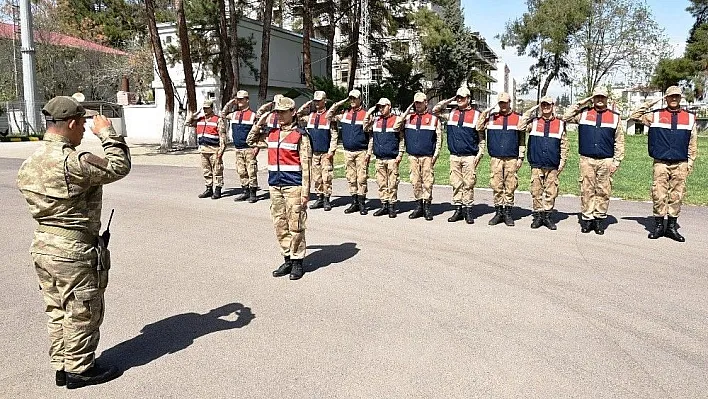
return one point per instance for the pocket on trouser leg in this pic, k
(85, 310)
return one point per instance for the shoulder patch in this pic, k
(93, 160)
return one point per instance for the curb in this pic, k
(17, 139)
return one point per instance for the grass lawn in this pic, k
(632, 181)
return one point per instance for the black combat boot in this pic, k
(537, 221)
(245, 193)
(498, 215)
(469, 219)
(60, 378)
(586, 226)
(362, 205)
(508, 220)
(383, 210)
(392, 210)
(252, 197)
(547, 220)
(207, 193)
(599, 226)
(418, 212)
(658, 231)
(672, 230)
(284, 268)
(217, 193)
(319, 203)
(354, 207)
(93, 376)
(326, 204)
(426, 210)
(458, 215)
(297, 272)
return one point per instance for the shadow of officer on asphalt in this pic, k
(173, 334)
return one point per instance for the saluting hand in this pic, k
(99, 123)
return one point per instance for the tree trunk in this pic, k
(167, 128)
(330, 37)
(265, 51)
(306, 33)
(354, 39)
(234, 16)
(227, 86)
(551, 76)
(186, 54)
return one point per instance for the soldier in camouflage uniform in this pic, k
(673, 145)
(601, 148)
(547, 152)
(323, 134)
(289, 161)
(466, 145)
(239, 123)
(63, 188)
(212, 144)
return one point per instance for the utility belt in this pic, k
(104, 254)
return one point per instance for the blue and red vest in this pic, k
(353, 136)
(462, 136)
(669, 134)
(503, 135)
(544, 147)
(318, 128)
(241, 124)
(420, 134)
(386, 140)
(208, 130)
(284, 167)
(596, 133)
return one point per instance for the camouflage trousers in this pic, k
(212, 166)
(544, 188)
(387, 178)
(289, 218)
(503, 180)
(463, 177)
(595, 187)
(422, 177)
(668, 187)
(322, 173)
(73, 295)
(247, 167)
(357, 172)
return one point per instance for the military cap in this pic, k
(276, 97)
(284, 104)
(208, 103)
(547, 100)
(355, 93)
(61, 108)
(241, 94)
(419, 97)
(503, 97)
(672, 91)
(384, 101)
(463, 92)
(600, 91)
(319, 95)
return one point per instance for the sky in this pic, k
(489, 17)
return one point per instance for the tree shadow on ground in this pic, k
(173, 334)
(646, 221)
(328, 255)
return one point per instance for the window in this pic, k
(168, 39)
(376, 74)
(345, 75)
(400, 48)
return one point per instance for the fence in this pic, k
(13, 120)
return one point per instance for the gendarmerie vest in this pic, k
(241, 124)
(386, 140)
(208, 130)
(353, 136)
(318, 128)
(420, 134)
(503, 135)
(462, 135)
(596, 133)
(669, 134)
(544, 146)
(284, 167)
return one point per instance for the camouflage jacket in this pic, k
(64, 187)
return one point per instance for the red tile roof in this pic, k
(58, 39)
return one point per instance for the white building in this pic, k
(504, 83)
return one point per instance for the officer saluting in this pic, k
(289, 160)
(240, 122)
(64, 189)
(212, 144)
(673, 145)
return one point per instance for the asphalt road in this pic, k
(388, 307)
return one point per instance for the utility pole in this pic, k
(28, 71)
